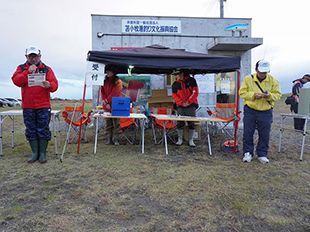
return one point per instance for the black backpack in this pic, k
(290, 100)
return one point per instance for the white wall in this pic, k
(195, 34)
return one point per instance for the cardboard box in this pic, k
(161, 105)
(159, 93)
(197, 135)
(160, 99)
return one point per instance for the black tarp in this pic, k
(156, 59)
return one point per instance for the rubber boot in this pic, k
(116, 142)
(180, 138)
(109, 142)
(191, 134)
(34, 144)
(42, 147)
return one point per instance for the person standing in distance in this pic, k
(185, 94)
(36, 102)
(297, 86)
(112, 87)
(259, 91)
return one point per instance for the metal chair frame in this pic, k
(229, 117)
(158, 127)
(74, 119)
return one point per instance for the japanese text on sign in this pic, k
(36, 79)
(151, 26)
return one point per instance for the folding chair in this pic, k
(158, 125)
(74, 119)
(226, 112)
(129, 128)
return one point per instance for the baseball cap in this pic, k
(176, 71)
(33, 50)
(263, 66)
(307, 76)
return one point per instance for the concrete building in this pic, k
(202, 35)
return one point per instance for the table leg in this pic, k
(303, 139)
(96, 135)
(58, 130)
(54, 132)
(281, 131)
(1, 135)
(209, 142)
(165, 137)
(12, 118)
(142, 134)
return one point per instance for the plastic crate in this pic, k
(120, 106)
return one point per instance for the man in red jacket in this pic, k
(185, 94)
(112, 87)
(37, 81)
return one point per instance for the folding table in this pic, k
(304, 131)
(142, 118)
(12, 113)
(167, 118)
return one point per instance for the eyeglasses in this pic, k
(33, 56)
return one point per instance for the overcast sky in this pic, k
(62, 30)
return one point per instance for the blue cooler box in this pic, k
(120, 106)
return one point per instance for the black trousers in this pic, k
(187, 111)
(260, 120)
(298, 122)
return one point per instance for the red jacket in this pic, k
(109, 90)
(35, 97)
(297, 86)
(185, 91)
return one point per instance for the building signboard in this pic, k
(150, 26)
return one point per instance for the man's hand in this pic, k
(185, 104)
(106, 103)
(32, 68)
(261, 95)
(258, 95)
(46, 84)
(265, 95)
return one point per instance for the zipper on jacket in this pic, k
(184, 90)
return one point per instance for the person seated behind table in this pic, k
(297, 86)
(185, 94)
(112, 87)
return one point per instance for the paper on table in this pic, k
(36, 79)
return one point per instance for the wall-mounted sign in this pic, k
(149, 26)
(205, 83)
(138, 88)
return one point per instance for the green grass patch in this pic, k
(120, 189)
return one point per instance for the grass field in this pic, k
(120, 189)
